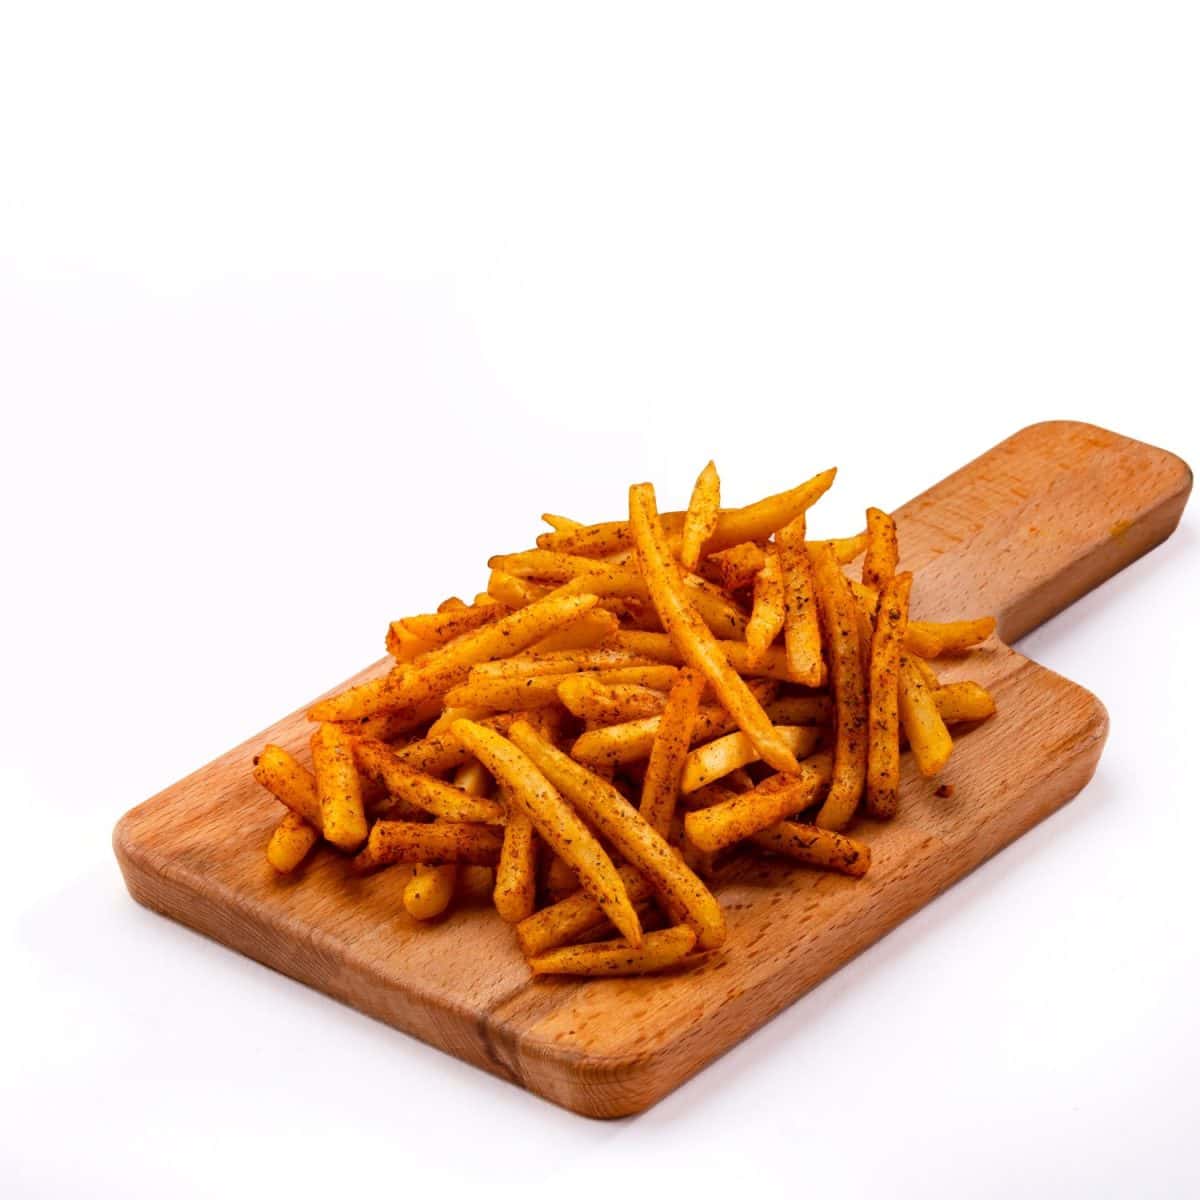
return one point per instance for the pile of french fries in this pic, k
(625, 706)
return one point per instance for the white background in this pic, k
(303, 313)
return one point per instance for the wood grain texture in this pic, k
(1021, 532)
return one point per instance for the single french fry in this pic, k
(957, 702)
(291, 841)
(439, 628)
(657, 951)
(429, 892)
(701, 517)
(883, 713)
(628, 831)
(560, 524)
(426, 792)
(802, 621)
(575, 917)
(555, 820)
(927, 672)
(952, 637)
(734, 568)
(591, 700)
(719, 825)
(692, 638)
(583, 633)
(660, 648)
(660, 788)
(718, 758)
(505, 694)
(882, 549)
(816, 847)
(514, 592)
(450, 664)
(343, 819)
(564, 662)
(766, 619)
(431, 843)
(923, 724)
(289, 782)
(839, 620)
(516, 874)
(847, 549)
(404, 645)
(387, 727)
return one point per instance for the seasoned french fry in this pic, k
(564, 662)
(719, 825)
(927, 672)
(718, 758)
(660, 788)
(627, 830)
(434, 796)
(403, 645)
(657, 952)
(951, 637)
(555, 820)
(883, 714)
(766, 619)
(583, 633)
(503, 694)
(816, 847)
(839, 619)
(734, 568)
(289, 782)
(514, 592)
(692, 637)
(449, 665)
(387, 727)
(701, 517)
(923, 724)
(965, 701)
(343, 820)
(560, 524)
(882, 549)
(429, 892)
(660, 648)
(293, 838)
(802, 622)
(439, 628)
(608, 704)
(436, 842)
(846, 550)
(574, 918)
(516, 874)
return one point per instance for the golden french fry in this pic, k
(802, 622)
(766, 619)
(403, 645)
(516, 874)
(343, 819)
(514, 592)
(290, 843)
(668, 750)
(560, 524)
(583, 633)
(659, 648)
(450, 664)
(882, 549)
(505, 694)
(883, 713)
(720, 757)
(923, 724)
(816, 847)
(719, 825)
(846, 550)
(574, 918)
(839, 619)
(701, 517)
(608, 704)
(628, 831)
(430, 843)
(657, 951)
(957, 702)
(289, 782)
(927, 672)
(951, 637)
(565, 662)
(429, 892)
(691, 636)
(562, 830)
(387, 727)
(427, 793)
(734, 568)
(439, 628)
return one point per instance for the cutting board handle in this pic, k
(1035, 523)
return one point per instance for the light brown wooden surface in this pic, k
(1020, 532)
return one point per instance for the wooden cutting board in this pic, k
(1020, 532)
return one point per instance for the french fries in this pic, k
(626, 706)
